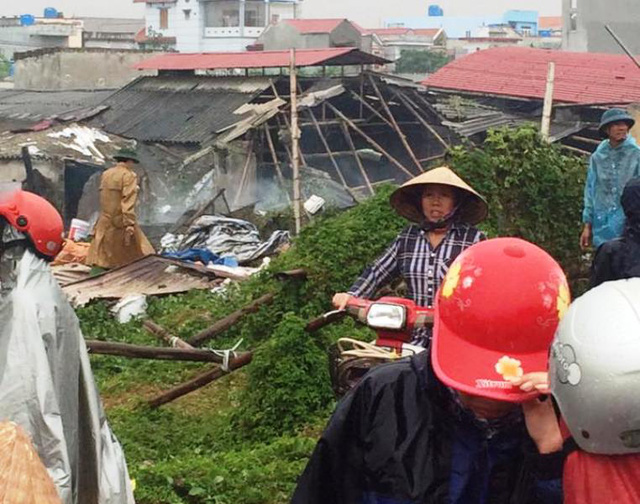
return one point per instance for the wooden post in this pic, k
(245, 173)
(225, 323)
(545, 128)
(397, 129)
(286, 122)
(347, 135)
(295, 137)
(155, 353)
(165, 335)
(375, 144)
(200, 381)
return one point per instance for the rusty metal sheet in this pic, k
(152, 276)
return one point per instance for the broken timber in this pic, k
(200, 380)
(165, 335)
(225, 323)
(157, 353)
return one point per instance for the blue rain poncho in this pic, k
(609, 170)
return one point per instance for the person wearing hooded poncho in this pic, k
(443, 210)
(620, 258)
(611, 166)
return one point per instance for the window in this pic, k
(573, 19)
(222, 13)
(187, 14)
(255, 13)
(526, 31)
(574, 4)
(164, 19)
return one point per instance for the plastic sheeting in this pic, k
(226, 237)
(47, 387)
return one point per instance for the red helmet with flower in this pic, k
(496, 314)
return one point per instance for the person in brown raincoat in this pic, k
(118, 238)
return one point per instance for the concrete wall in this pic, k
(68, 70)
(284, 36)
(587, 32)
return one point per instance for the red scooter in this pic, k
(393, 319)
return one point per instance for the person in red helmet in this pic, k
(46, 384)
(449, 426)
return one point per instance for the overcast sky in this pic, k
(366, 12)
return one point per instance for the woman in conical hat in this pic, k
(443, 210)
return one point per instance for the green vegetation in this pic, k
(421, 62)
(245, 438)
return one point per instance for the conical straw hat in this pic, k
(406, 200)
(23, 477)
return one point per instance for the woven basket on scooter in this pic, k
(23, 477)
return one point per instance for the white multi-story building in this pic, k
(213, 25)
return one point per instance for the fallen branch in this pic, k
(157, 353)
(227, 322)
(200, 381)
(165, 335)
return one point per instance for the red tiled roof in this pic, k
(522, 72)
(550, 23)
(314, 25)
(259, 59)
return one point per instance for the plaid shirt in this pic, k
(422, 266)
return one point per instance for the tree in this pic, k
(421, 62)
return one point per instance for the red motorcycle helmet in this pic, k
(496, 314)
(36, 217)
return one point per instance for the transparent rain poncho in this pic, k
(609, 170)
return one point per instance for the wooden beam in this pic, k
(397, 129)
(200, 381)
(155, 353)
(347, 135)
(230, 320)
(375, 144)
(165, 335)
(412, 105)
(274, 156)
(327, 148)
(370, 107)
(545, 126)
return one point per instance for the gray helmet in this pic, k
(594, 368)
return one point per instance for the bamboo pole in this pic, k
(545, 127)
(155, 353)
(375, 144)
(327, 148)
(397, 129)
(245, 173)
(295, 138)
(200, 381)
(287, 124)
(274, 156)
(225, 323)
(165, 335)
(371, 108)
(347, 135)
(411, 105)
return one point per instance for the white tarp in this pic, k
(47, 387)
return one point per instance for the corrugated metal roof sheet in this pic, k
(151, 275)
(521, 72)
(259, 59)
(178, 109)
(30, 107)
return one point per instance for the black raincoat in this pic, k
(399, 437)
(620, 258)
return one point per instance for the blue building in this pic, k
(525, 22)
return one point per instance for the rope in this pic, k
(226, 354)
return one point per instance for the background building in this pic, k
(213, 25)
(584, 25)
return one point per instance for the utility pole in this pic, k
(295, 138)
(545, 128)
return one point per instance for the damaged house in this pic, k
(222, 121)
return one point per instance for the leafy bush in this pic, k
(534, 190)
(288, 384)
(421, 62)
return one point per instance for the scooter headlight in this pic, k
(386, 316)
